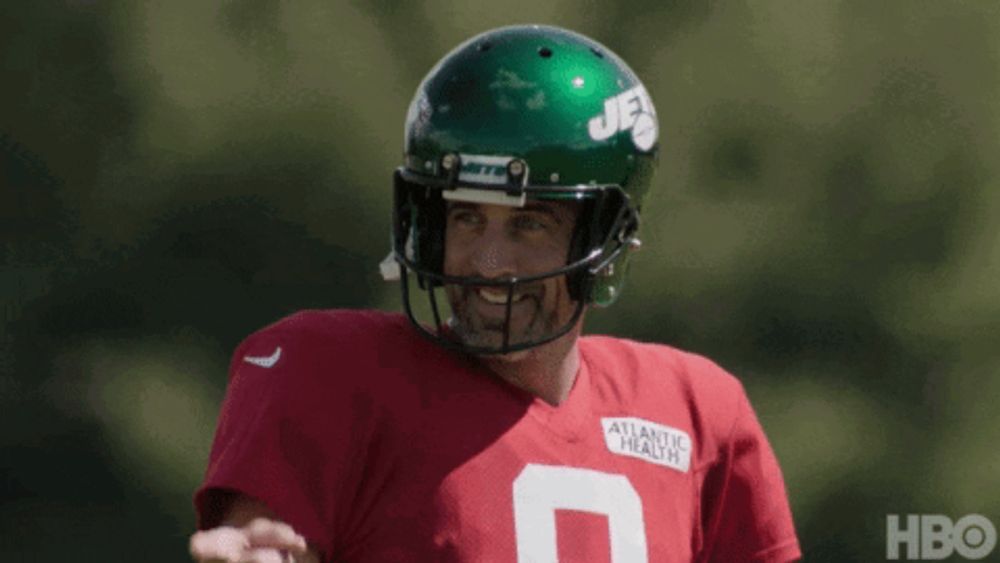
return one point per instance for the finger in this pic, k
(268, 533)
(266, 555)
(224, 543)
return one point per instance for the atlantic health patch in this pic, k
(648, 441)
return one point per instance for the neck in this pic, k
(546, 371)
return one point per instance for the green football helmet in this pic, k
(515, 114)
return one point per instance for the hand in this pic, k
(260, 541)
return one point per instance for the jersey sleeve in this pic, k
(290, 434)
(746, 514)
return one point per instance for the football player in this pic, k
(481, 426)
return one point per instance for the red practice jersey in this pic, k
(378, 445)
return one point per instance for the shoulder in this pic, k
(331, 331)
(323, 342)
(645, 364)
(335, 323)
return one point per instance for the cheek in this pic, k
(544, 257)
(556, 292)
(448, 265)
(452, 256)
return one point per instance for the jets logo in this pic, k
(482, 169)
(632, 110)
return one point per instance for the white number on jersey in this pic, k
(540, 490)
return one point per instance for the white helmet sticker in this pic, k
(492, 197)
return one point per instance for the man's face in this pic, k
(498, 241)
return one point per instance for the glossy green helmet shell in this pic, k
(530, 112)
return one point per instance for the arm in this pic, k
(290, 437)
(264, 460)
(250, 531)
(746, 513)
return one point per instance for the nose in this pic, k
(494, 254)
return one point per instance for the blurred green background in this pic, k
(177, 174)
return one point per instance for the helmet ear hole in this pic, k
(607, 288)
(418, 225)
(606, 221)
(428, 230)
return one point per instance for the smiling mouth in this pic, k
(490, 303)
(498, 296)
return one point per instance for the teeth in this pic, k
(498, 297)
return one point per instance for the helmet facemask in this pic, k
(438, 303)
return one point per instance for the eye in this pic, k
(464, 217)
(530, 223)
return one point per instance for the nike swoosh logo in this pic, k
(264, 361)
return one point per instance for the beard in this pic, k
(477, 323)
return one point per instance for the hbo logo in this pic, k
(933, 536)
